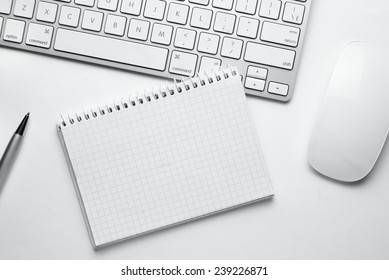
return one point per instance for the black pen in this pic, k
(10, 153)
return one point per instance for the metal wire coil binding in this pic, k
(185, 85)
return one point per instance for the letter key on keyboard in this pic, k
(168, 38)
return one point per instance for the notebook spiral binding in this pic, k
(149, 96)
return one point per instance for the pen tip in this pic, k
(22, 126)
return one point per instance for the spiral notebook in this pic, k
(165, 157)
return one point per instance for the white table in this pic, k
(309, 218)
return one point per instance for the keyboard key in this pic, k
(267, 55)
(5, 6)
(279, 89)
(162, 34)
(185, 38)
(24, 8)
(92, 20)
(231, 48)
(131, 7)
(88, 3)
(110, 5)
(39, 35)
(183, 63)
(201, 2)
(208, 43)
(155, 9)
(261, 36)
(224, 23)
(247, 7)
(209, 64)
(47, 12)
(223, 4)
(248, 27)
(255, 84)
(293, 13)
(178, 13)
(1, 24)
(201, 18)
(270, 9)
(139, 29)
(257, 72)
(111, 49)
(115, 25)
(14, 30)
(280, 34)
(69, 16)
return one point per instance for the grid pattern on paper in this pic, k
(167, 161)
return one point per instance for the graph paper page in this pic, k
(167, 161)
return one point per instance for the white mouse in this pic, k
(354, 122)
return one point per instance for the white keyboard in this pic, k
(171, 38)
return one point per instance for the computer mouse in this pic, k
(353, 124)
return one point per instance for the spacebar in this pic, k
(111, 49)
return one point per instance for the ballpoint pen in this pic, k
(10, 153)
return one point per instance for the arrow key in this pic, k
(279, 89)
(255, 84)
(257, 72)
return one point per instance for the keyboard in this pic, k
(171, 38)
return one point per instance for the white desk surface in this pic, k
(310, 217)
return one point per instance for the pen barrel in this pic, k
(8, 158)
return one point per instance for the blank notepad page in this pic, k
(166, 161)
